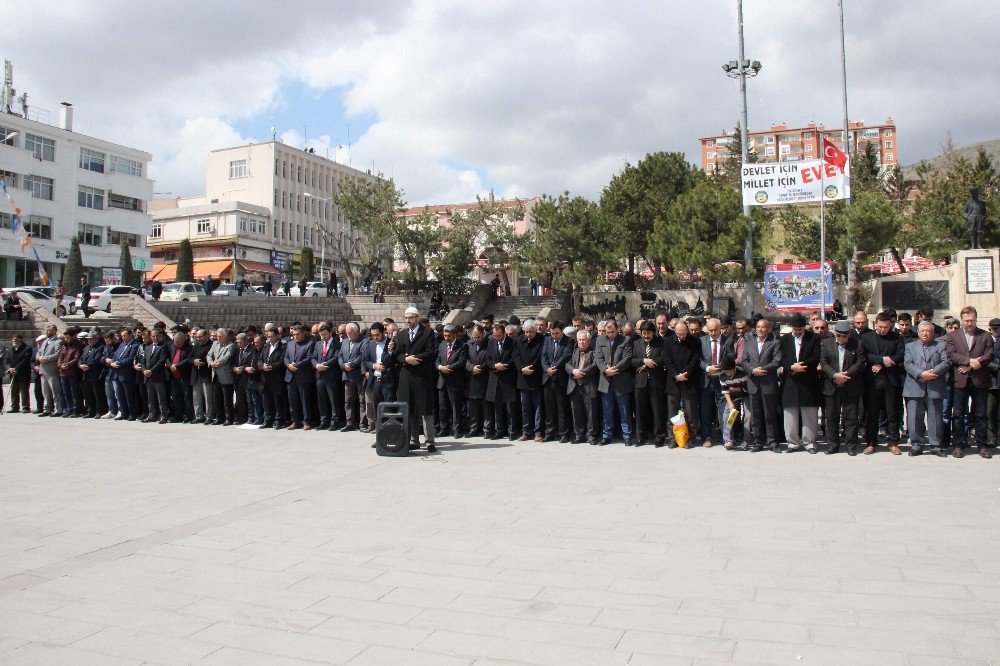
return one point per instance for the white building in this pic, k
(67, 183)
(263, 203)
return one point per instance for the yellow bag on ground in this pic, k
(682, 433)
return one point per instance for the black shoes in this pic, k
(431, 448)
(833, 448)
(605, 441)
(914, 452)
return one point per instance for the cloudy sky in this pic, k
(456, 98)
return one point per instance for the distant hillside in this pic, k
(992, 148)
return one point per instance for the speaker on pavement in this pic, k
(392, 434)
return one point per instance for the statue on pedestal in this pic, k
(975, 219)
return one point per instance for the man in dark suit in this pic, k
(970, 351)
(243, 358)
(761, 360)
(844, 364)
(376, 357)
(682, 357)
(556, 351)
(328, 376)
(153, 362)
(271, 365)
(179, 371)
(581, 387)
(713, 403)
(613, 356)
(501, 390)
(452, 380)
(300, 378)
(122, 372)
(884, 348)
(350, 362)
(20, 374)
(480, 412)
(413, 354)
(202, 391)
(800, 386)
(650, 380)
(528, 364)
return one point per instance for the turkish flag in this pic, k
(833, 155)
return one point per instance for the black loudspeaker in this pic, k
(392, 434)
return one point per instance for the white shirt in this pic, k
(968, 341)
(379, 348)
(798, 347)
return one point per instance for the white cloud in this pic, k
(522, 97)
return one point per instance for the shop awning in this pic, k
(220, 269)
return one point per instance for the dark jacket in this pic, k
(877, 347)
(93, 357)
(301, 354)
(476, 356)
(615, 353)
(502, 386)
(416, 382)
(458, 378)
(153, 358)
(855, 364)
(682, 356)
(644, 376)
(556, 355)
(69, 356)
(959, 354)
(591, 378)
(274, 379)
(184, 367)
(803, 389)
(199, 351)
(528, 354)
(370, 356)
(333, 373)
(20, 361)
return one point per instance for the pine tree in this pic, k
(74, 268)
(185, 262)
(129, 276)
(308, 263)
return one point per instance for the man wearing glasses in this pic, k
(844, 366)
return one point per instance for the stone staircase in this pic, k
(525, 307)
(235, 312)
(394, 306)
(102, 320)
(9, 327)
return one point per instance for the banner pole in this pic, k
(822, 233)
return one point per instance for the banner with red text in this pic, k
(779, 183)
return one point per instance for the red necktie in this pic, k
(447, 352)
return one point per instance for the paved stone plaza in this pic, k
(124, 543)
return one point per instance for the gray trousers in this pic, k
(808, 418)
(353, 404)
(52, 390)
(203, 396)
(920, 433)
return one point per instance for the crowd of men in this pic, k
(739, 383)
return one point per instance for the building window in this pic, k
(9, 177)
(709, 143)
(276, 196)
(769, 139)
(5, 133)
(709, 167)
(40, 186)
(156, 231)
(769, 151)
(127, 167)
(39, 226)
(88, 197)
(244, 225)
(275, 166)
(123, 202)
(298, 233)
(283, 193)
(40, 147)
(115, 238)
(888, 132)
(888, 144)
(91, 160)
(808, 147)
(284, 231)
(710, 156)
(785, 149)
(298, 173)
(90, 234)
(237, 169)
(203, 226)
(274, 230)
(888, 157)
(284, 169)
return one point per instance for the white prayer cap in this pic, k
(41, 337)
(412, 311)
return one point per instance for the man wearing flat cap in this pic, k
(844, 364)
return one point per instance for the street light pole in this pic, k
(742, 69)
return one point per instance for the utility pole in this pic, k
(847, 135)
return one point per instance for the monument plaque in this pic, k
(979, 275)
(905, 295)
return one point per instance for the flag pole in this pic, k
(822, 230)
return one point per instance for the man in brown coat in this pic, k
(970, 351)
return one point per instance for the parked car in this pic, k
(314, 289)
(69, 302)
(48, 296)
(100, 296)
(229, 289)
(182, 291)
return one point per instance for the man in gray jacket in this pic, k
(613, 356)
(220, 359)
(761, 360)
(926, 364)
(48, 371)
